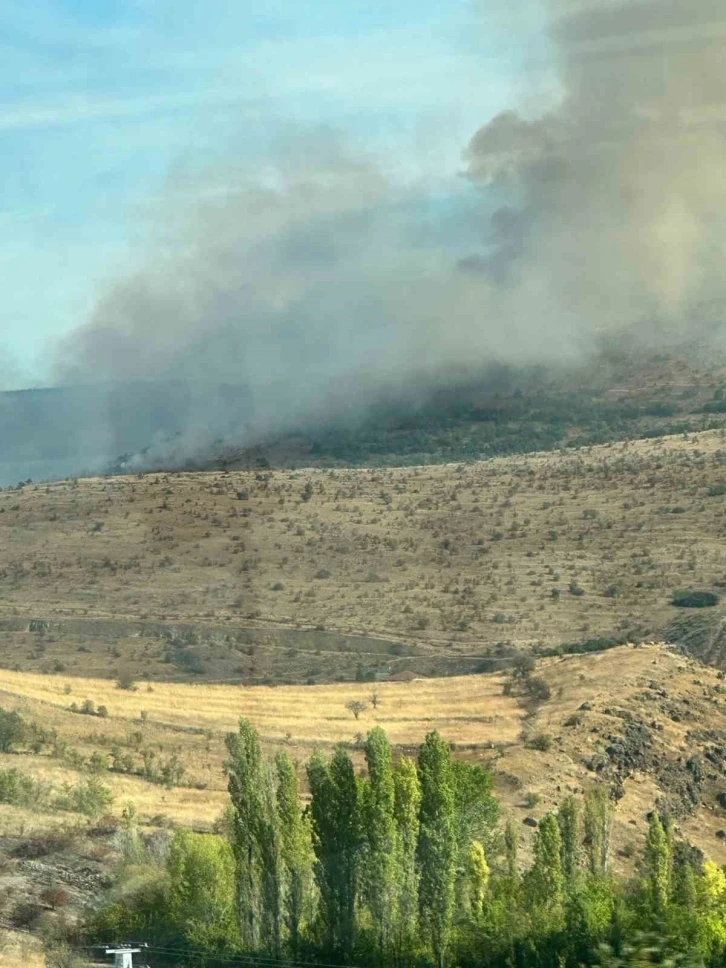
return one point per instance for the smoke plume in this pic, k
(325, 281)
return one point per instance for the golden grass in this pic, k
(191, 720)
(20, 951)
(465, 710)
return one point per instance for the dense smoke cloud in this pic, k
(617, 198)
(320, 283)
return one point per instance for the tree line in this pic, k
(409, 864)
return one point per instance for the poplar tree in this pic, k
(245, 784)
(269, 842)
(437, 843)
(546, 878)
(478, 873)
(407, 804)
(568, 819)
(658, 859)
(296, 849)
(335, 813)
(379, 827)
(598, 826)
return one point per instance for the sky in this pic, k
(105, 104)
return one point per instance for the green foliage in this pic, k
(546, 880)
(335, 811)
(244, 771)
(568, 818)
(540, 741)
(407, 806)
(694, 599)
(91, 798)
(659, 859)
(18, 789)
(13, 731)
(379, 830)
(437, 843)
(297, 855)
(401, 865)
(201, 900)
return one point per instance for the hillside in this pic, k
(315, 575)
(642, 718)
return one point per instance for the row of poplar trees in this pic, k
(379, 862)
(406, 864)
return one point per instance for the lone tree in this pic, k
(356, 706)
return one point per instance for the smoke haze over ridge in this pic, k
(325, 280)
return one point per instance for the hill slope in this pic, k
(315, 575)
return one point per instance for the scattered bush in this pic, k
(356, 706)
(91, 798)
(18, 789)
(13, 731)
(694, 599)
(538, 689)
(540, 741)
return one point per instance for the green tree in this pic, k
(478, 875)
(437, 843)
(568, 819)
(335, 814)
(13, 730)
(598, 826)
(658, 858)
(296, 849)
(407, 804)
(269, 841)
(246, 790)
(201, 897)
(546, 878)
(379, 830)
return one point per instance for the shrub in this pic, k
(531, 800)
(538, 689)
(540, 741)
(694, 599)
(18, 789)
(13, 730)
(522, 666)
(126, 681)
(91, 798)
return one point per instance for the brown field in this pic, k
(274, 574)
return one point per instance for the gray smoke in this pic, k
(324, 281)
(616, 201)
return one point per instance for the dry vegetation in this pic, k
(274, 574)
(653, 725)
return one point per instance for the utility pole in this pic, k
(123, 955)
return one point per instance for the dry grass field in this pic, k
(318, 575)
(643, 718)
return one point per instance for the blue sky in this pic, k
(103, 101)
